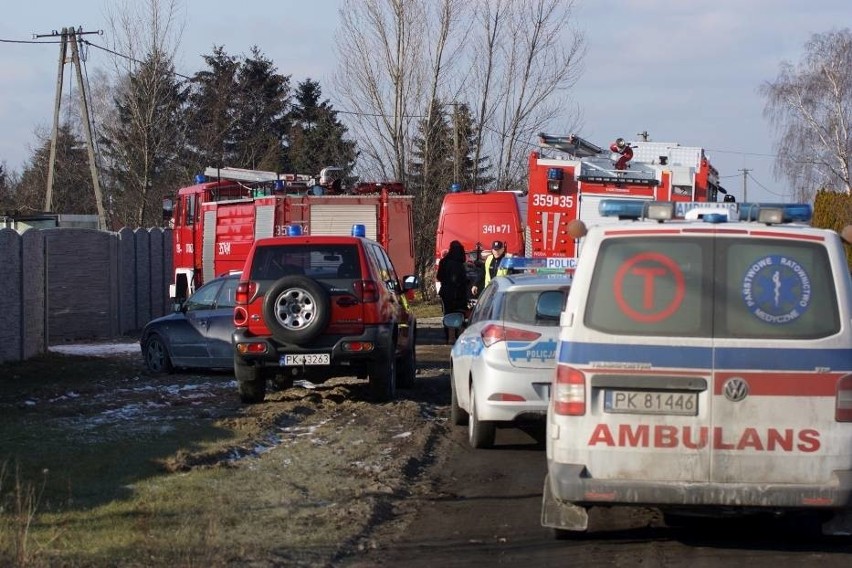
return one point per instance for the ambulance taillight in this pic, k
(569, 392)
(843, 404)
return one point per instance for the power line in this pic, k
(27, 41)
(415, 116)
(752, 178)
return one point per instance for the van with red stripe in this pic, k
(704, 367)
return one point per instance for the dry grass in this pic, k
(187, 481)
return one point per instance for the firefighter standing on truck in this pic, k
(624, 152)
(492, 267)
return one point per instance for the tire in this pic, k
(296, 309)
(407, 365)
(383, 377)
(458, 416)
(562, 534)
(156, 353)
(251, 380)
(480, 433)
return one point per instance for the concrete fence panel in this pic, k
(143, 276)
(34, 294)
(81, 276)
(128, 289)
(67, 284)
(11, 296)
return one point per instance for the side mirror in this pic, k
(410, 282)
(454, 320)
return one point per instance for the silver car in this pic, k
(503, 361)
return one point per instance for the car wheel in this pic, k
(296, 309)
(157, 357)
(562, 534)
(407, 366)
(457, 414)
(480, 433)
(383, 377)
(251, 380)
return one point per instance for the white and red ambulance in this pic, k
(704, 366)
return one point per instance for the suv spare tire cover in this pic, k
(296, 309)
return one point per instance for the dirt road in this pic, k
(318, 475)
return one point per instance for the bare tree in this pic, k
(810, 106)
(515, 59)
(395, 61)
(445, 50)
(144, 138)
(529, 57)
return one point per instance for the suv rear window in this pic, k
(713, 287)
(317, 261)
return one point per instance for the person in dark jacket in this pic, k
(452, 275)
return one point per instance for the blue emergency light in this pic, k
(554, 173)
(359, 230)
(633, 209)
(770, 213)
(294, 230)
(200, 178)
(522, 263)
(776, 212)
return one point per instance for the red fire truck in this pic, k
(569, 176)
(216, 220)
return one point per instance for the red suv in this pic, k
(316, 307)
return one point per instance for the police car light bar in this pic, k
(714, 212)
(539, 265)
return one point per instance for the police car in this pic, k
(502, 363)
(704, 366)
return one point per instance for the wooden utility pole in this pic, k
(456, 145)
(69, 35)
(745, 172)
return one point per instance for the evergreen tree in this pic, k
(260, 115)
(316, 137)
(443, 139)
(238, 112)
(73, 191)
(211, 111)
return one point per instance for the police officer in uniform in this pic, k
(492, 267)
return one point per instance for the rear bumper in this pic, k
(571, 483)
(380, 336)
(505, 393)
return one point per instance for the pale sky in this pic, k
(685, 71)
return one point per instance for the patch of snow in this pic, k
(97, 349)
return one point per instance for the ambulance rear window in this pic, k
(653, 286)
(713, 287)
(776, 289)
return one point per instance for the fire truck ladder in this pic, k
(595, 173)
(240, 174)
(571, 144)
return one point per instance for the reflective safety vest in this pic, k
(500, 271)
